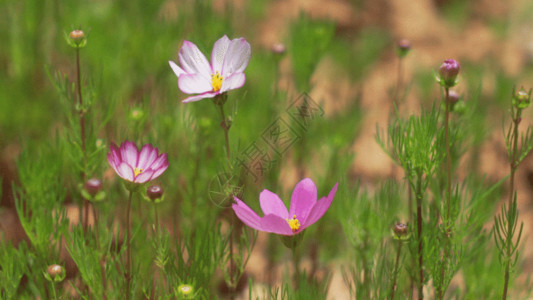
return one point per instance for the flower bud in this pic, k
(521, 99)
(137, 114)
(453, 98)
(401, 232)
(55, 273)
(459, 108)
(76, 38)
(400, 229)
(93, 186)
(185, 291)
(448, 72)
(77, 35)
(154, 192)
(278, 48)
(403, 47)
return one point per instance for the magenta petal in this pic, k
(177, 70)
(147, 156)
(319, 209)
(160, 161)
(161, 167)
(192, 60)
(129, 153)
(199, 97)
(113, 157)
(125, 171)
(146, 175)
(237, 57)
(272, 204)
(303, 199)
(194, 84)
(246, 215)
(219, 52)
(235, 81)
(276, 224)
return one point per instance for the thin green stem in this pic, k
(54, 290)
(225, 127)
(513, 167)
(419, 197)
(82, 137)
(447, 220)
(396, 270)
(128, 248)
(399, 78)
(448, 156)
(296, 262)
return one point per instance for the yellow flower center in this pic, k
(136, 172)
(216, 81)
(294, 223)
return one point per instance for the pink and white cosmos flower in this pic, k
(229, 58)
(137, 166)
(305, 210)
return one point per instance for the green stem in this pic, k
(419, 198)
(395, 99)
(128, 248)
(54, 290)
(82, 137)
(509, 236)
(396, 270)
(295, 261)
(225, 127)
(447, 219)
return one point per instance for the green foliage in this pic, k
(309, 40)
(12, 268)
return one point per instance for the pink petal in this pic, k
(160, 161)
(246, 215)
(194, 84)
(177, 70)
(129, 153)
(219, 52)
(145, 176)
(161, 168)
(113, 157)
(147, 156)
(276, 224)
(272, 204)
(303, 199)
(235, 81)
(237, 57)
(125, 171)
(200, 97)
(192, 60)
(319, 209)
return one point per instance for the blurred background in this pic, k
(340, 52)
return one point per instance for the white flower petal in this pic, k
(194, 84)
(200, 97)
(219, 52)
(192, 60)
(234, 81)
(237, 57)
(177, 70)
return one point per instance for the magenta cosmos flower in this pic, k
(229, 58)
(305, 210)
(137, 166)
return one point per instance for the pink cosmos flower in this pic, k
(229, 58)
(137, 166)
(305, 210)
